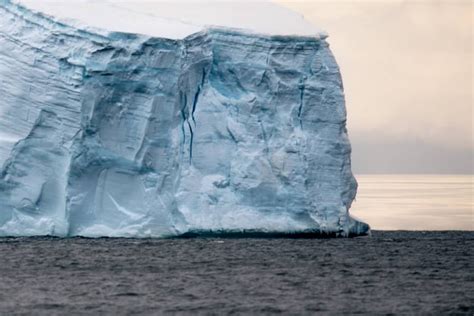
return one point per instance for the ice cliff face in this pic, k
(115, 134)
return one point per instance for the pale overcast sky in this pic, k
(407, 70)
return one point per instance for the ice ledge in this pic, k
(38, 12)
(174, 20)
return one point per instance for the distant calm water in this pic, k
(415, 202)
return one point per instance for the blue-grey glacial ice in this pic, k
(210, 129)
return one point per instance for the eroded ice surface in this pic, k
(113, 134)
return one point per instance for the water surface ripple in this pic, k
(390, 272)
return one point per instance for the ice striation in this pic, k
(116, 134)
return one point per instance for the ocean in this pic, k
(415, 202)
(408, 271)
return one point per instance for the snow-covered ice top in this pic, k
(177, 19)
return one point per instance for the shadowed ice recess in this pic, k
(105, 133)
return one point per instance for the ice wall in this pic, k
(116, 134)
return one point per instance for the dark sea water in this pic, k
(387, 273)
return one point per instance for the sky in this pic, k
(407, 71)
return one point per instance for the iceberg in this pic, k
(190, 128)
